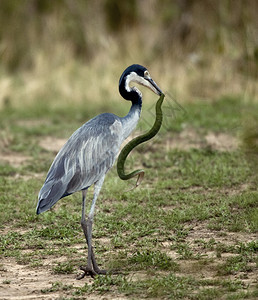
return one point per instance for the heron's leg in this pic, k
(92, 267)
(83, 219)
(84, 225)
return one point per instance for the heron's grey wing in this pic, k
(87, 156)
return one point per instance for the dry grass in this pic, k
(193, 51)
(73, 83)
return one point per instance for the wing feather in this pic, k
(87, 156)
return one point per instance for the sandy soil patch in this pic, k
(52, 144)
(18, 282)
(22, 282)
(14, 159)
(221, 141)
(201, 232)
(189, 138)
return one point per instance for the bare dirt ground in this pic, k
(52, 144)
(21, 282)
(189, 138)
(13, 159)
(27, 283)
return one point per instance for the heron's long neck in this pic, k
(131, 119)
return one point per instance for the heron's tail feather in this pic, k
(49, 195)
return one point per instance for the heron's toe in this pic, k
(100, 272)
(88, 271)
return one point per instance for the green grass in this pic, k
(182, 235)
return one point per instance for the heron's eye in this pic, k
(146, 74)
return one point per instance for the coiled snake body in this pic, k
(135, 142)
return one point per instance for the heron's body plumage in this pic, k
(86, 157)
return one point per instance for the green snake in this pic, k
(135, 142)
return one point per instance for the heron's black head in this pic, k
(140, 75)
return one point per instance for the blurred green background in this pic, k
(75, 50)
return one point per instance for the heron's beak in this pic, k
(153, 86)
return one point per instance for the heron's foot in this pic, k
(89, 271)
